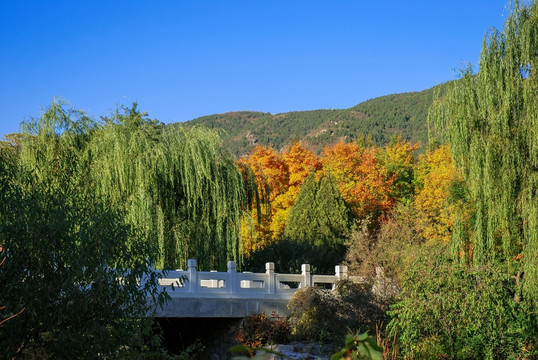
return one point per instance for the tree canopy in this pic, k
(320, 219)
(490, 119)
(63, 252)
(180, 187)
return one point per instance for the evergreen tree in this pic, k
(321, 220)
(303, 219)
(333, 215)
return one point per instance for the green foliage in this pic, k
(490, 119)
(381, 117)
(399, 160)
(450, 311)
(86, 208)
(11, 144)
(321, 315)
(70, 262)
(321, 219)
(334, 218)
(304, 212)
(360, 346)
(180, 188)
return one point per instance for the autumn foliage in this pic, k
(361, 178)
(436, 175)
(371, 181)
(400, 162)
(279, 178)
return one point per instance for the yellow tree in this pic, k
(271, 177)
(399, 161)
(436, 174)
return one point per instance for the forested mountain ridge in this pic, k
(381, 117)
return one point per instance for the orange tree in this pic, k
(361, 178)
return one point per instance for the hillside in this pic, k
(381, 117)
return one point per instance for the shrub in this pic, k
(327, 316)
(259, 330)
(394, 247)
(359, 346)
(449, 311)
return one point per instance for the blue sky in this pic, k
(185, 59)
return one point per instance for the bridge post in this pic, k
(193, 279)
(305, 271)
(341, 272)
(232, 277)
(270, 271)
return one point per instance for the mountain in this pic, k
(382, 117)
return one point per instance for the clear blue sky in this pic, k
(184, 59)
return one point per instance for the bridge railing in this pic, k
(193, 283)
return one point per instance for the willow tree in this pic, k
(64, 249)
(179, 187)
(491, 119)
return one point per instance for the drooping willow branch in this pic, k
(181, 187)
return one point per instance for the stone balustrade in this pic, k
(196, 293)
(180, 283)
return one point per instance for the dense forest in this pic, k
(451, 223)
(380, 118)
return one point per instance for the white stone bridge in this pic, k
(233, 294)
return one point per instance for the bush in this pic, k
(259, 330)
(359, 346)
(449, 311)
(394, 246)
(327, 316)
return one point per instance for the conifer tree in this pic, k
(303, 219)
(333, 215)
(321, 220)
